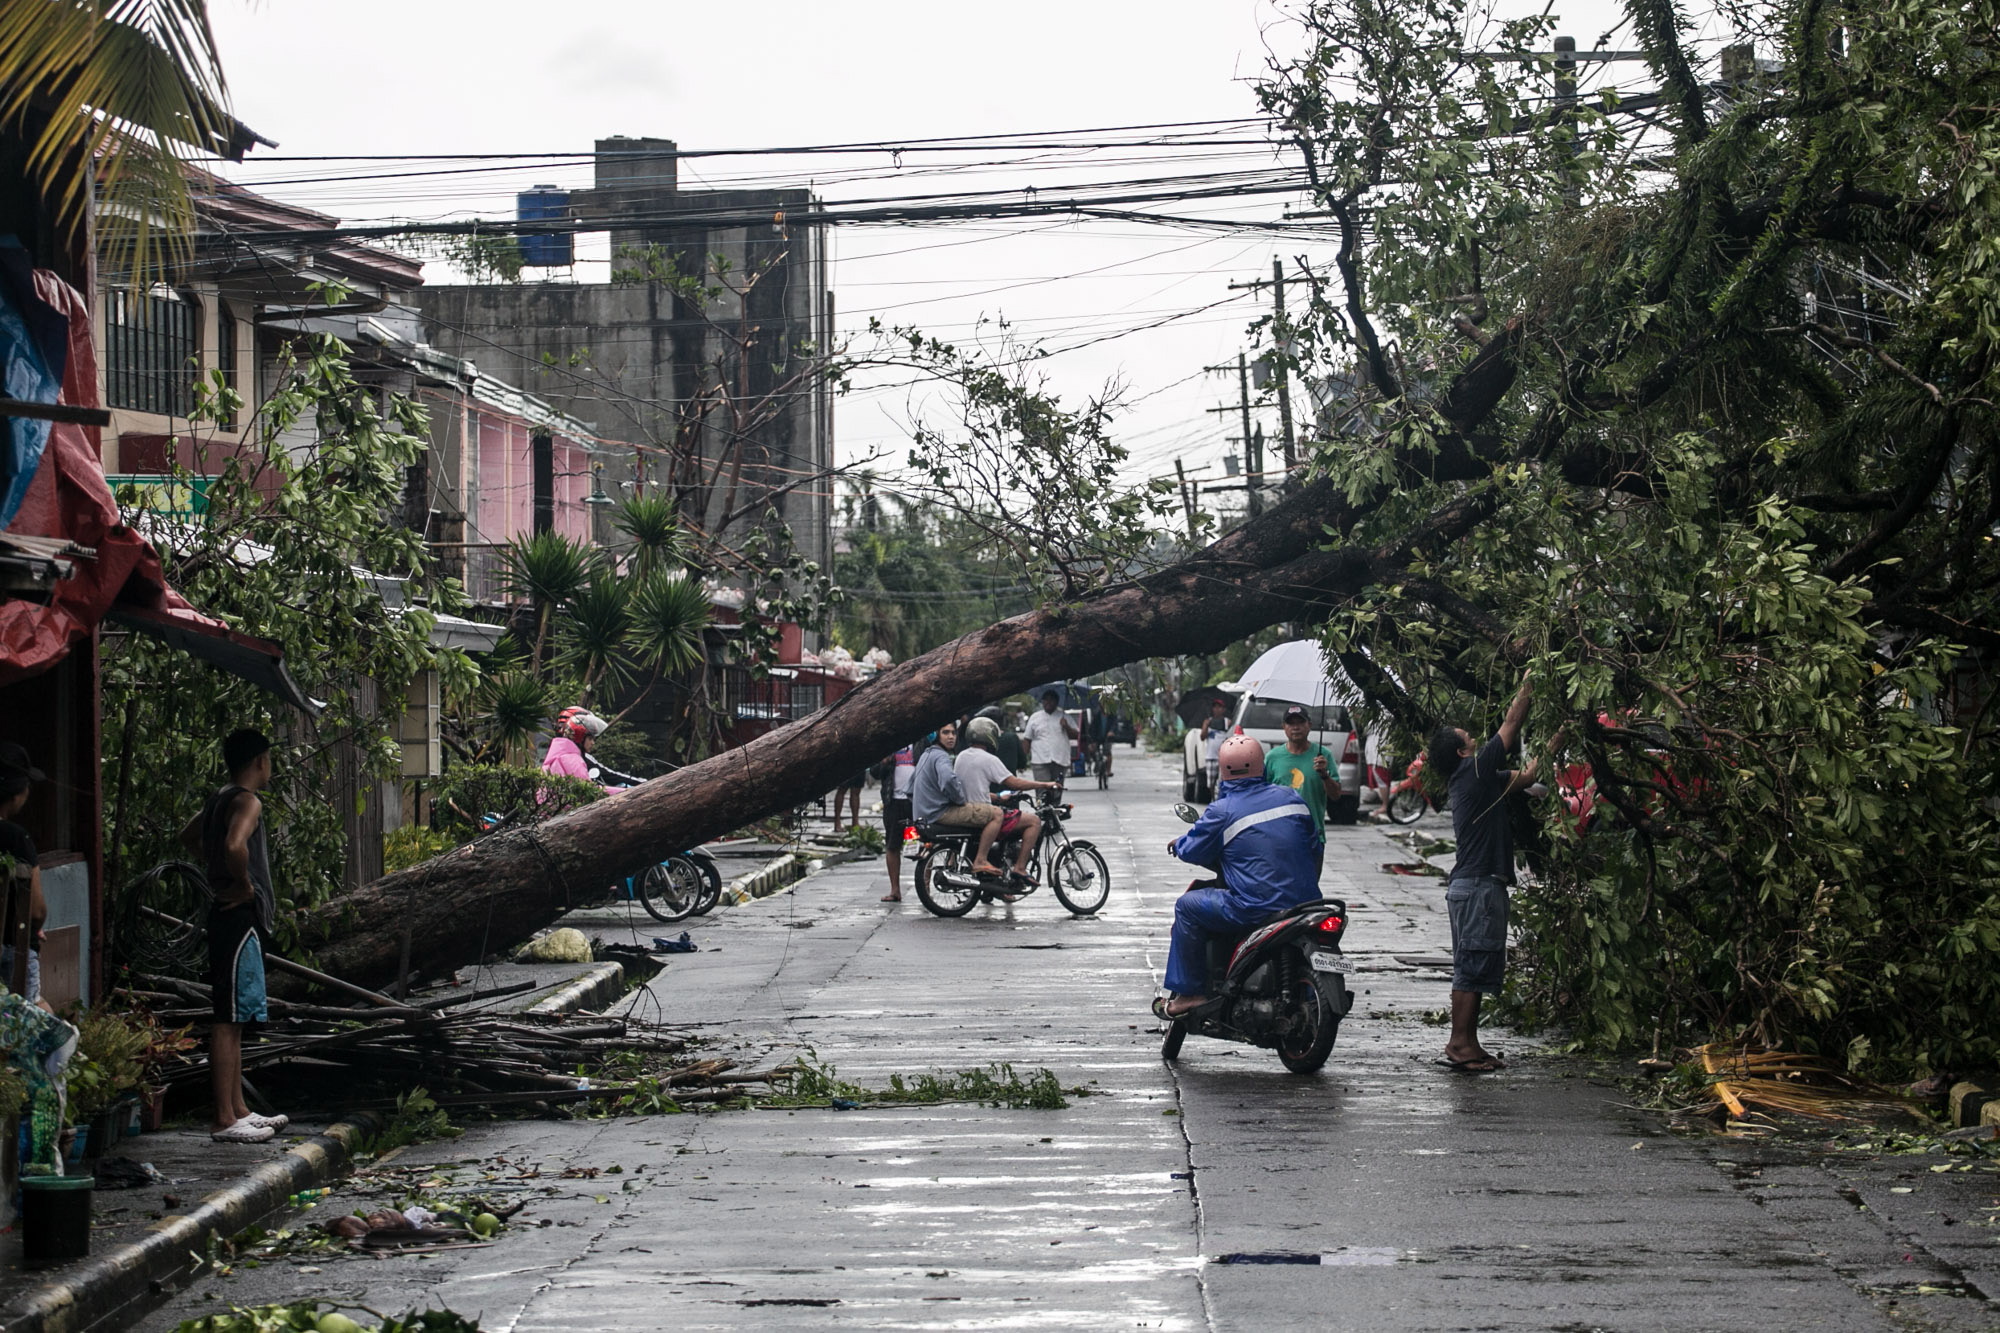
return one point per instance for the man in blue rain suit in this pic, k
(1260, 836)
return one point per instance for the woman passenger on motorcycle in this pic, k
(981, 771)
(576, 730)
(1259, 837)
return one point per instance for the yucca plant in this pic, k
(669, 613)
(517, 705)
(596, 632)
(658, 539)
(128, 90)
(547, 569)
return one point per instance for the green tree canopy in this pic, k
(1685, 404)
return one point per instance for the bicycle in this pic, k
(1073, 868)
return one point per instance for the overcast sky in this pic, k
(504, 76)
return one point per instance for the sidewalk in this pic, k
(143, 1240)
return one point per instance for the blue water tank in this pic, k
(545, 250)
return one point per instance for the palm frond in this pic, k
(547, 568)
(596, 632)
(658, 539)
(669, 612)
(517, 706)
(126, 90)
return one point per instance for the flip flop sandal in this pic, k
(1486, 1066)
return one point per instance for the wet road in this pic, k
(1383, 1193)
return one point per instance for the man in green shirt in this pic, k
(1307, 768)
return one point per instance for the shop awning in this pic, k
(211, 641)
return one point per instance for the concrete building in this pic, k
(715, 379)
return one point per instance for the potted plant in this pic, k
(105, 1067)
(165, 1049)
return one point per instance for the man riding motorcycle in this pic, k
(1259, 837)
(981, 771)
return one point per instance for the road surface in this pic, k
(1219, 1193)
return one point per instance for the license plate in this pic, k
(1330, 962)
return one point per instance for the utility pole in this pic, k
(1281, 338)
(1253, 446)
(1281, 342)
(1187, 498)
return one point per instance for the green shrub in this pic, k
(469, 792)
(413, 844)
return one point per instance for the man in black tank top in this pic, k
(229, 835)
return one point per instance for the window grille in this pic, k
(152, 352)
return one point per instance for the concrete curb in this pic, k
(105, 1289)
(592, 990)
(781, 873)
(764, 881)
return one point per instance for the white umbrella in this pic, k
(1296, 672)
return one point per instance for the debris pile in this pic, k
(1787, 1082)
(359, 1056)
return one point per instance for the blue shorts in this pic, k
(1478, 910)
(236, 965)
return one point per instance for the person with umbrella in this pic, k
(1306, 767)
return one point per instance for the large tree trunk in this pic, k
(500, 890)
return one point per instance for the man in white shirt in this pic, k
(982, 772)
(1049, 734)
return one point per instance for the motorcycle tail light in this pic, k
(1332, 925)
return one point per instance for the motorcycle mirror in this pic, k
(1186, 813)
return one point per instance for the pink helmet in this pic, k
(1241, 757)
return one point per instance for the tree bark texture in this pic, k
(498, 891)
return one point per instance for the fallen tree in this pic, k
(496, 891)
(1682, 400)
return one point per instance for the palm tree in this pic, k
(658, 539)
(548, 569)
(128, 90)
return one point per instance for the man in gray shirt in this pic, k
(1476, 896)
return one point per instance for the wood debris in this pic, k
(362, 1056)
(1791, 1083)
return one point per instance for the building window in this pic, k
(225, 357)
(152, 350)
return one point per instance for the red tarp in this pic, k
(70, 499)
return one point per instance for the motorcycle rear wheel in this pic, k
(1308, 1042)
(1080, 877)
(669, 891)
(711, 884)
(1406, 806)
(938, 897)
(1170, 1049)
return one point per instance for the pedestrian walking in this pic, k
(1476, 895)
(26, 910)
(1009, 747)
(849, 791)
(897, 773)
(1049, 733)
(228, 834)
(1306, 767)
(1214, 730)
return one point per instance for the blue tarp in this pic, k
(34, 351)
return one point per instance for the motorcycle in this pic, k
(1074, 868)
(1283, 984)
(687, 883)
